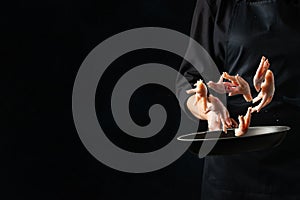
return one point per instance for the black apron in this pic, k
(258, 28)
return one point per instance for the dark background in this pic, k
(48, 41)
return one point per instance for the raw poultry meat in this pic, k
(238, 86)
(218, 115)
(219, 86)
(220, 111)
(244, 123)
(200, 93)
(261, 73)
(266, 93)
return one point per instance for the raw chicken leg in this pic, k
(237, 86)
(244, 123)
(201, 93)
(266, 93)
(261, 73)
(220, 86)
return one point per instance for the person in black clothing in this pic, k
(236, 34)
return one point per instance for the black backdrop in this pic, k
(49, 40)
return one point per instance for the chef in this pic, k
(236, 34)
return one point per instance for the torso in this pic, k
(253, 29)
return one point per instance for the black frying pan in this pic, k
(257, 138)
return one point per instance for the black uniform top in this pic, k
(236, 33)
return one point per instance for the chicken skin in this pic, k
(261, 73)
(200, 93)
(238, 85)
(266, 93)
(217, 114)
(221, 87)
(244, 123)
(220, 113)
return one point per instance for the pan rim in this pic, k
(281, 129)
